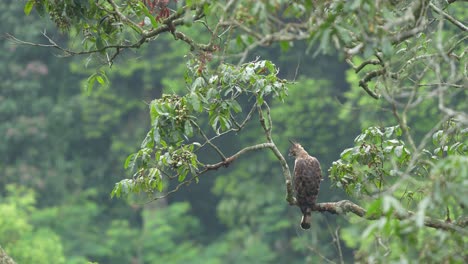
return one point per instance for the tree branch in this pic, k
(365, 63)
(367, 78)
(229, 160)
(457, 23)
(346, 206)
(225, 163)
(167, 25)
(122, 17)
(284, 165)
(4, 258)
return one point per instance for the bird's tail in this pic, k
(305, 221)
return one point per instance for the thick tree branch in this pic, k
(346, 206)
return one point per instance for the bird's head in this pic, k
(295, 149)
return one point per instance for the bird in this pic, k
(307, 178)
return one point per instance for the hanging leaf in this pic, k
(28, 7)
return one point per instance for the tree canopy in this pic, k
(225, 85)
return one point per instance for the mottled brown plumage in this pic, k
(307, 178)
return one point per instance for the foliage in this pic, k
(20, 239)
(164, 154)
(428, 183)
(407, 75)
(56, 141)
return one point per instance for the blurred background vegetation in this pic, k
(63, 149)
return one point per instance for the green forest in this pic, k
(159, 131)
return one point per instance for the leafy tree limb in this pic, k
(345, 206)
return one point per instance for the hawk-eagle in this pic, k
(307, 178)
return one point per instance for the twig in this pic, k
(338, 245)
(321, 255)
(171, 191)
(208, 141)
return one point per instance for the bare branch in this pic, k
(171, 191)
(229, 160)
(364, 64)
(454, 21)
(407, 34)
(367, 78)
(208, 141)
(284, 165)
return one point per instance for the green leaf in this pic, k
(117, 190)
(156, 135)
(188, 129)
(194, 100)
(235, 106)
(159, 185)
(324, 41)
(154, 113)
(260, 100)
(182, 174)
(387, 48)
(421, 212)
(100, 44)
(153, 173)
(90, 83)
(198, 83)
(28, 7)
(224, 122)
(389, 131)
(284, 45)
(148, 141)
(391, 204)
(436, 137)
(346, 153)
(375, 208)
(100, 80)
(214, 122)
(130, 160)
(145, 10)
(398, 151)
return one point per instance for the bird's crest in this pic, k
(294, 142)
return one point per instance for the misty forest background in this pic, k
(64, 145)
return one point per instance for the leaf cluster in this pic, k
(362, 169)
(169, 148)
